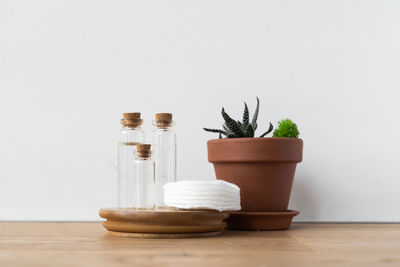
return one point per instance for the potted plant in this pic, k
(262, 167)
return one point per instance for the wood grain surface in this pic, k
(88, 244)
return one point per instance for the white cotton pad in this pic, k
(215, 195)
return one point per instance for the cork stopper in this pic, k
(163, 120)
(131, 119)
(143, 151)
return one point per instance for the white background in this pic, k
(68, 69)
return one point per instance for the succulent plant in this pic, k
(286, 128)
(240, 129)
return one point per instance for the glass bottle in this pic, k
(144, 189)
(131, 135)
(164, 153)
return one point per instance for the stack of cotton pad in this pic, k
(215, 195)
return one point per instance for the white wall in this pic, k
(68, 69)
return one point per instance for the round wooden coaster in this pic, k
(185, 235)
(164, 223)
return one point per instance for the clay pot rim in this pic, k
(254, 139)
(270, 149)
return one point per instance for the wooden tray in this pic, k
(163, 223)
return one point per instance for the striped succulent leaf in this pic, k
(255, 116)
(250, 131)
(226, 129)
(216, 131)
(268, 131)
(232, 124)
(245, 117)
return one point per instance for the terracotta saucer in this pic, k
(274, 220)
(163, 223)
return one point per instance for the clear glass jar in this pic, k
(144, 179)
(164, 154)
(131, 135)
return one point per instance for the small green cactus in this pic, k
(286, 128)
(240, 129)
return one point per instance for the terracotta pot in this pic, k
(263, 168)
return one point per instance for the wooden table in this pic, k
(88, 244)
